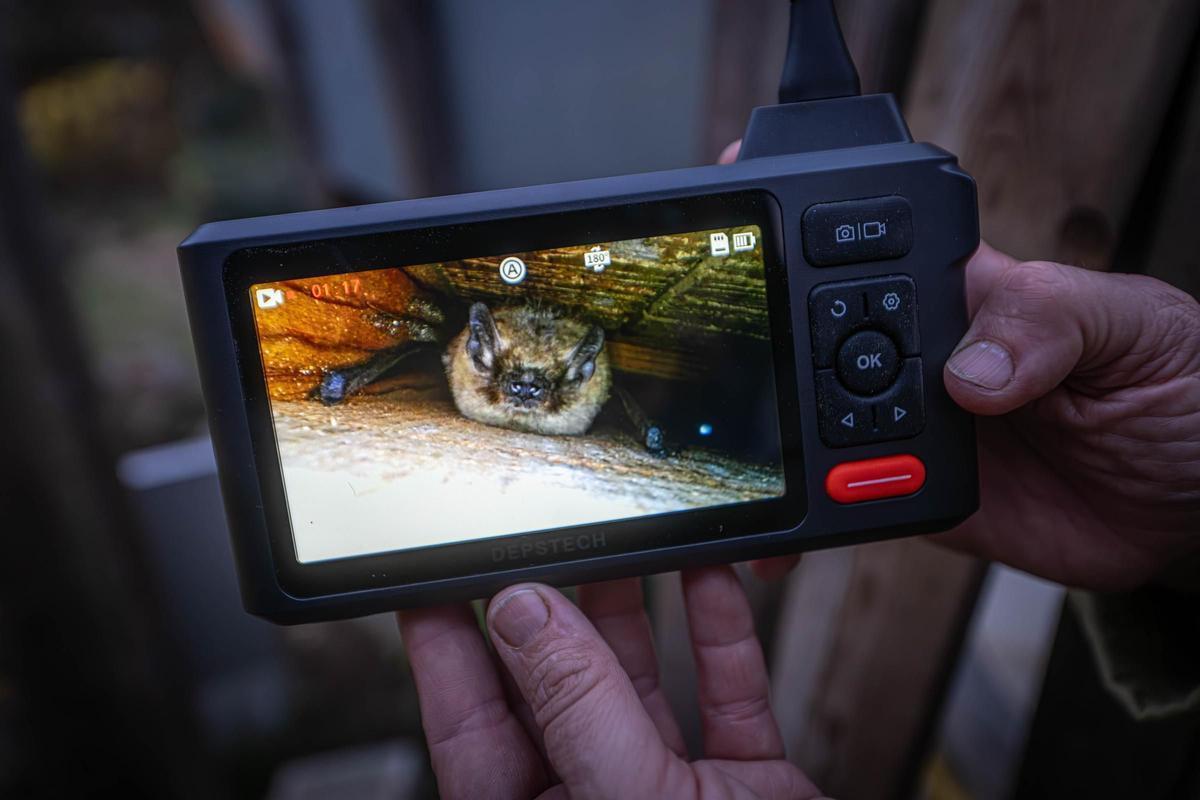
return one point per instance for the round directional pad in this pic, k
(867, 363)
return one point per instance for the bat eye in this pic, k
(514, 387)
(536, 391)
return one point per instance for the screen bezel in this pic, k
(484, 239)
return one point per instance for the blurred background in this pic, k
(126, 663)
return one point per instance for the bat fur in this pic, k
(529, 368)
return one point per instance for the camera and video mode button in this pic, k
(854, 231)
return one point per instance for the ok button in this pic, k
(867, 363)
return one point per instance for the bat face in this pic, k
(530, 369)
(525, 389)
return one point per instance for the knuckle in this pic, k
(1176, 317)
(561, 679)
(738, 712)
(1177, 310)
(1167, 325)
(473, 719)
(645, 683)
(1027, 300)
(1034, 285)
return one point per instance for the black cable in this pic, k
(818, 65)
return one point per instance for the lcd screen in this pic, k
(448, 402)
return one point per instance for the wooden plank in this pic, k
(1054, 107)
(807, 628)
(1058, 132)
(880, 35)
(750, 42)
(417, 65)
(748, 47)
(1150, 758)
(1171, 253)
(859, 682)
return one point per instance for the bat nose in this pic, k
(526, 387)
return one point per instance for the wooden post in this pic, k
(1010, 86)
(1054, 107)
(750, 41)
(1170, 250)
(881, 37)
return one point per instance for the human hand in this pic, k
(570, 704)
(1088, 389)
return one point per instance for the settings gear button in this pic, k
(892, 307)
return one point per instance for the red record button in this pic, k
(875, 479)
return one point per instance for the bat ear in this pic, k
(483, 339)
(581, 364)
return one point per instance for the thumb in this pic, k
(1039, 322)
(598, 737)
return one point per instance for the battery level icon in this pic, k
(743, 242)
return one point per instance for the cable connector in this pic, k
(818, 65)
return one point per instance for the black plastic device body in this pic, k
(811, 168)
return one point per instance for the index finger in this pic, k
(477, 746)
(731, 673)
(617, 611)
(599, 738)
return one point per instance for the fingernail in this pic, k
(519, 617)
(983, 363)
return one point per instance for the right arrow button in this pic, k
(900, 411)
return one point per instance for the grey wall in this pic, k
(360, 140)
(552, 90)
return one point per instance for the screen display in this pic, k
(482, 397)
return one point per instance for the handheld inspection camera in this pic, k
(424, 401)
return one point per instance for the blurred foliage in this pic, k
(42, 37)
(139, 132)
(107, 119)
